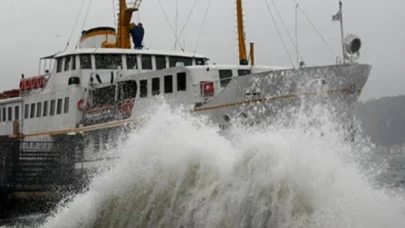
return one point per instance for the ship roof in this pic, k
(124, 51)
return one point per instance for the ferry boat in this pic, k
(105, 84)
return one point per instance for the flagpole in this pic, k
(341, 30)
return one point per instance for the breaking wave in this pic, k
(179, 170)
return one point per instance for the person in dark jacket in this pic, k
(137, 33)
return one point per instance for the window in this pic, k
(181, 81)
(45, 111)
(39, 109)
(52, 107)
(10, 113)
(174, 61)
(132, 62)
(155, 86)
(104, 96)
(146, 62)
(160, 62)
(59, 107)
(168, 80)
(0, 115)
(144, 88)
(73, 62)
(225, 77)
(85, 62)
(66, 108)
(26, 111)
(108, 61)
(32, 111)
(67, 63)
(242, 72)
(59, 65)
(199, 62)
(4, 115)
(17, 112)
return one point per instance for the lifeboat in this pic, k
(32, 83)
(12, 93)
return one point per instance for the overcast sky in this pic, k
(31, 29)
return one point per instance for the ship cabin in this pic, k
(96, 85)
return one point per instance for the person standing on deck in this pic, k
(137, 33)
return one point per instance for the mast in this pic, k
(241, 34)
(124, 19)
(341, 30)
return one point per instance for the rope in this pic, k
(202, 27)
(87, 14)
(176, 24)
(285, 28)
(188, 18)
(278, 31)
(74, 25)
(114, 12)
(167, 20)
(312, 24)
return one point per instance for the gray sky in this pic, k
(39, 28)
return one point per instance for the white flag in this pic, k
(337, 16)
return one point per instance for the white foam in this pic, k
(179, 171)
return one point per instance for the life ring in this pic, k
(80, 105)
(126, 107)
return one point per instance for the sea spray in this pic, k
(181, 171)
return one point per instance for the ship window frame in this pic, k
(225, 79)
(32, 111)
(168, 84)
(148, 60)
(16, 112)
(143, 88)
(59, 106)
(135, 65)
(244, 72)
(155, 86)
(39, 109)
(52, 108)
(45, 109)
(198, 60)
(159, 64)
(66, 105)
(187, 61)
(59, 65)
(67, 63)
(103, 63)
(4, 117)
(85, 65)
(73, 60)
(181, 82)
(10, 113)
(26, 111)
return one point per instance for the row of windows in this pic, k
(225, 76)
(6, 114)
(167, 85)
(40, 109)
(113, 61)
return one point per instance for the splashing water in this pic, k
(179, 171)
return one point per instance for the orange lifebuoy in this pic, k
(80, 105)
(126, 107)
